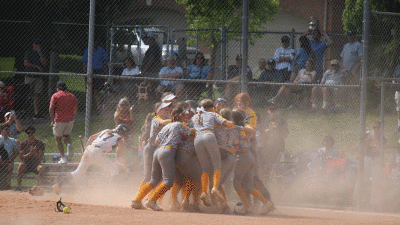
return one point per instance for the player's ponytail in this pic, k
(176, 114)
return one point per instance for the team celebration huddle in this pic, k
(195, 149)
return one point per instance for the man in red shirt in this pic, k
(63, 106)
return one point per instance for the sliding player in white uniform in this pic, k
(97, 145)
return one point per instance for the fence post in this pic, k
(223, 52)
(89, 69)
(363, 101)
(245, 43)
(382, 129)
(53, 69)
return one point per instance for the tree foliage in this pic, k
(214, 14)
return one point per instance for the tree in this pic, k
(207, 14)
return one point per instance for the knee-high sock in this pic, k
(143, 191)
(257, 194)
(242, 195)
(160, 191)
(204, 182)
(189, 188)
(196, 192)
(217, 178)
(174, 192)
(141, 184)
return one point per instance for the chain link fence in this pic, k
(142, 51)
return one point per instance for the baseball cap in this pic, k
(285, 39)
(168, 97)
(61, 85)
(351, 32)
(271, 61)
(334, 62)
(239, 56)
(164, 105)
(7, 114)
(150, 35)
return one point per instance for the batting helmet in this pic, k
(122, 129)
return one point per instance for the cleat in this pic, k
(153, 205)
(267, 208)
(185, 205)
(137, 205)
(176, 207)
(225, 209)
(63, 160)
(205, 199)
(56, 189)
(217, 194)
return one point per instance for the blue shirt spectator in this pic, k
(319, 48)
(302, 57)
(170, 71)
(99, 57)
(197, 72)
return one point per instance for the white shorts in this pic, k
(36, 84)
(60, 129)
(397, 100)
(94, 155)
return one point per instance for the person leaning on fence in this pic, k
(270, 74)
(305, 76)
(331, 77)
(152, 61)
(63, 107)
(283, 57)
(174, 72)
(6, 99)
(131, 70)
(100, 59)
(35, 61)
(234, 73)
(396, 75)
(11, 146)
(31, 154)
(15, 126)
(351, 58)
(319, 47)
(198, 70)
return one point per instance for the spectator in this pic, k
(270, 74)
(31, 154)
(151, 63)
(303, 53)
(351, 57)
(305, 76)
(283, 57)
(6, 99)
(99, 66)
(331, 77)
(11, 146)
(4, 169)
(319, 48)
(124, 114)
(129, 88)
(197, 70)
(396, 75)
(234, 73)
(171, 71)
(220, 103)
(15, 126)
(63, 107)
(35, 61)
(262, 64)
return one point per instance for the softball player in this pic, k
(98, 144)
(244, 172)
(163, 161)
(159, 121)
(205, 142)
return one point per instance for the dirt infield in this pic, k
(21, 208)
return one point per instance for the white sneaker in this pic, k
(205, 199)
(272, 100)
(217, 194)
(267, 208)
(137, 205)
(63, 160)
(152, 205)
(56, 189)
(176, 207)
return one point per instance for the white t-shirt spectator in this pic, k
(350, 54)
(283, 52)
(133, 72)
(305, 76)
(332, 78)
